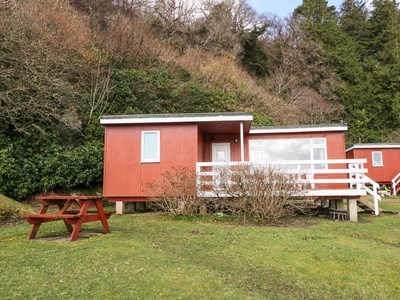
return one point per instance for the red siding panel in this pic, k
(381, 174)
(122, 151)
(125, 175)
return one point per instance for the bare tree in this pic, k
(100, 91)
(173, 19)
(300, 76)
(174, 13)
(131, 41)
(215, 32)
(38, 79)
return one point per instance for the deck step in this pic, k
(366, 205)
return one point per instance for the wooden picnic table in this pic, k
(73, 210)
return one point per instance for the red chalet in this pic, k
(383, 162)
(139, 148)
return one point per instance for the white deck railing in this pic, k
(395, 182)
(344, 177)
(373, 192)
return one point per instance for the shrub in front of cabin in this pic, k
(250, 192)
(176, 192)
(258, 192)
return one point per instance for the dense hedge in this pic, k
(46, 166)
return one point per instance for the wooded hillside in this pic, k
(65, 63)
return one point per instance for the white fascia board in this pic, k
(298, 130)
(155, 120)
(373, 146)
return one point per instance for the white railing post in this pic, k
(376, 206)
(241, 142)
(198, 179)
(299, 176)
(373, 193)
(360, 176)
(395, 183)
(351, 166)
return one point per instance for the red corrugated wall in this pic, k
(381, 174)
(125, 175)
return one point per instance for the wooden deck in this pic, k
(340, 179)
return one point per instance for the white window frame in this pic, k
(143, 148)
(260, 150)
(318, 146)
(376, 163)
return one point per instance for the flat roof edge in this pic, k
(373, 146)
(175, 118)
(298, 129)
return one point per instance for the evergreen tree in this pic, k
(384, 63)
(363, 49)
(255, 58)
(319, 20)
(356, 89)
(353, 16)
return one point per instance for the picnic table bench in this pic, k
(338, 215)
(81, 214)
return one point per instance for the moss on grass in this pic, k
(11, 209)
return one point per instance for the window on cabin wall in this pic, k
(289, 149)
(377, 160)
(150, 146)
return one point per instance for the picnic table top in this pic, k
(68, 197)
(76, 217)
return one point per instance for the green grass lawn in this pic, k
(150, 256)
(390, 203)
(10, 209)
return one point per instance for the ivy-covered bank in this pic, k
(63, 64)
(29, 167)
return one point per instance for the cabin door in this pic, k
(221, 152)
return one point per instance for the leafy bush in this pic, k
(80, 166)
(162, 90)
(28, 167)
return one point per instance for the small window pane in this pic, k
(287, 149)
(256, 143)
(377, 159)
(256, 155)
(319, 154)
(318, 141)
(150, 146)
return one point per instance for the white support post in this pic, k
(119, 207)
(241, 142)
(376, 199)
(352, 210)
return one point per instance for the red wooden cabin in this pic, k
(139, 148)
(383, 161)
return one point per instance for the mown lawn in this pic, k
(390, 203)
(150, 256)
